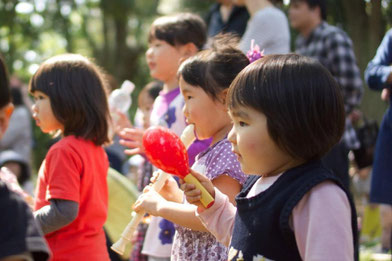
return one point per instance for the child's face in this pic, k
(43, 113)
(209, 116)
(163, 60)
(5, 115)
(145, 105)
(256, 150)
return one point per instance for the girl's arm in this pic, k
(56, 215)
(219, 218)
(184, 214)
(322, 224)
(378, 73)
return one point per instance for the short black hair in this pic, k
(179, 29)
(215, 68)
(300, 99)
(78, 95)
(153, 89)
(316, 3)
(5, 93)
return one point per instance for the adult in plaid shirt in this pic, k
(333, 48)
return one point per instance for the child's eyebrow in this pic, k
(185, 90)
(239, 114)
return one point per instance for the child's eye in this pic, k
(242, 124)
(188, 97)
(39, 97)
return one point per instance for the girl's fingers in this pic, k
(130, 143)
(187, 187)
(132, 151)
(155, 176)
(193, 193)
(193, 199)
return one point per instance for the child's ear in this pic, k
(189, 49)
(222, 96)
(5, 115)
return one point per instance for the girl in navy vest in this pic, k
(287, 112)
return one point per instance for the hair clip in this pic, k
(254, 53)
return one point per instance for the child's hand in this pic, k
(132, 138)
(193, 194)
(170, 190)
(385, 94)
(121, 121)
(150, 201)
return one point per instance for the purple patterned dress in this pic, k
(202, 246)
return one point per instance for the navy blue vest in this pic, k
(262, 222)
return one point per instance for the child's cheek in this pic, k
(251, 147)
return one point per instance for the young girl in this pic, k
(204, 80)
(287, 112)
(72, 195)
(171, 40)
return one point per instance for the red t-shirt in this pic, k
(75, 169)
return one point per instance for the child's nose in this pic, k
(149, 52)
(185, 111)
(231, 136)
(34, 107)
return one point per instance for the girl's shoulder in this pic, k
(219, 160)
(73, 145)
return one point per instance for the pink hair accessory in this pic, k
(254, 53)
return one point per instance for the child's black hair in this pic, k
(77, 93)
(214, 69)
(179, 29)
(300, 99)
(153, 89)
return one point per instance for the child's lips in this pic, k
(36, 120)
(237, 154)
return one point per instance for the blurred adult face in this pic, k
(300, 14)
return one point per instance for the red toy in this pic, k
(165, 150)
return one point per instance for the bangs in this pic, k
(243, 89)
(41, 81)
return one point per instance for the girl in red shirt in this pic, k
(72, 195)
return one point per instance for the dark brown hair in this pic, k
(77, 93)
(300, 99)
(214, 69)
(5, 93)
(179, 29)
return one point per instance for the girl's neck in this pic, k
(170, 85)
(221, 134)
(225, 10)
(284, 167)
(254, 6)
